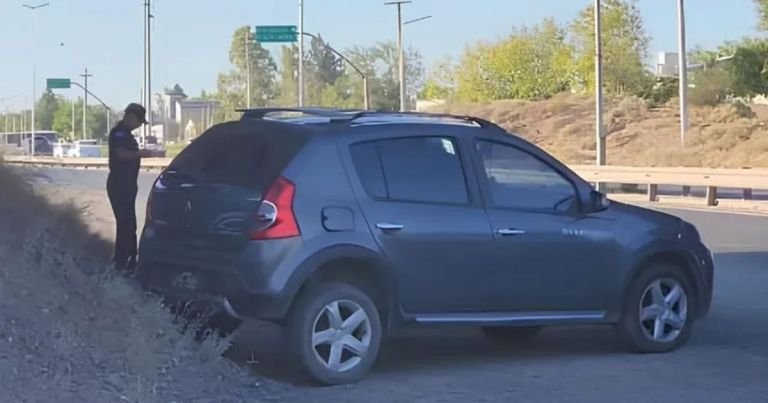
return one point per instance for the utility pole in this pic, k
(400, 50)
(301, 54)
(34, 70)
(85, 102)
(683, 66)
(147, 93)
(599, 136)
(73, 119)
(248, 69)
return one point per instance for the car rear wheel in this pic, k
(334, 332)
(511, 334)
(659, 311)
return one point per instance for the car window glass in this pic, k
(368, 166)
(423, 169)
(519, 180)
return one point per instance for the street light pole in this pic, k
(683, 66)
(301, 54)
(85, 102)
(147, 93)
(34, 69)
(599, 136)
(248, 69)
(366, 101)
(400, 51)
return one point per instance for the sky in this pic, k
(190, 38)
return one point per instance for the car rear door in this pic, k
(202, 208)
(549, 258)
(425, 213)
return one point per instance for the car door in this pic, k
(428, 222)
(548, 256)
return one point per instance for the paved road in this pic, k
(725, 361)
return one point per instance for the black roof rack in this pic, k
(330, 113)
(350, 115)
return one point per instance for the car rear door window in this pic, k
(418, 169)
(519, 180)
(237, 154)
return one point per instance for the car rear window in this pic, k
(238, 153)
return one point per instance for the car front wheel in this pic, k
(334, 332)
(659, 311)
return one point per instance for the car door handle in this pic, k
(510, 232)
(385, 226)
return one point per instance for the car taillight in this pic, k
(275, 219)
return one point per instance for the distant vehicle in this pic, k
(61, 149)
(155, 149)
(84, 149)
(341, 226)
(43, 145)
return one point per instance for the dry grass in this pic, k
(727, 136)
(71, 332)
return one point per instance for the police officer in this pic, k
(124, 161)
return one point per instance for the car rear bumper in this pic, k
(222, 289)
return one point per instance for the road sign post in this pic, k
(276, 33)
(58, 83)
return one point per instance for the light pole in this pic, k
(301, 54)
(683, 66)
(600, 154)
(401, 54)
(85, 102)
(147, 92)
(34, 68)
(248, 69)
(401, 50)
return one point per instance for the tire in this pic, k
(507, 335)
(674, 327)
(316, 311)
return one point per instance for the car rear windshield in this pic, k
(249, 154)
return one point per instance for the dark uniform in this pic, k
(122, 189)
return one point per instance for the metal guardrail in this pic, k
(712, 179)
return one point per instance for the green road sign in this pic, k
(56, 83)
(276, 33)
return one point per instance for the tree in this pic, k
(46, 108)
(532, 63)
(762, 14)
(322, 63)
(625, 47)
(440, 82)
(231, 88)
(288, 86)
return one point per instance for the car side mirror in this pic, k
(598, 201)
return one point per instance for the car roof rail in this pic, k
(353, 116)
(334, 115)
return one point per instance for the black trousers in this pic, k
(122, 197)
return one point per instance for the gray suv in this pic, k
(342, 225)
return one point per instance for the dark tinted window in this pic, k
(519, 180)
(237, 154)
(368, 165)
(423, 169)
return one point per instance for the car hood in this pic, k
(648, 215)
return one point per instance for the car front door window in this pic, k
(519, 180)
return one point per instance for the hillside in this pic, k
(71, 332)
(719, 137)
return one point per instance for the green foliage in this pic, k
(231, 88)
(531, 63)
(711, 87)
(45, 110)
(661, 91)
(762, 14)
(624, 47)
